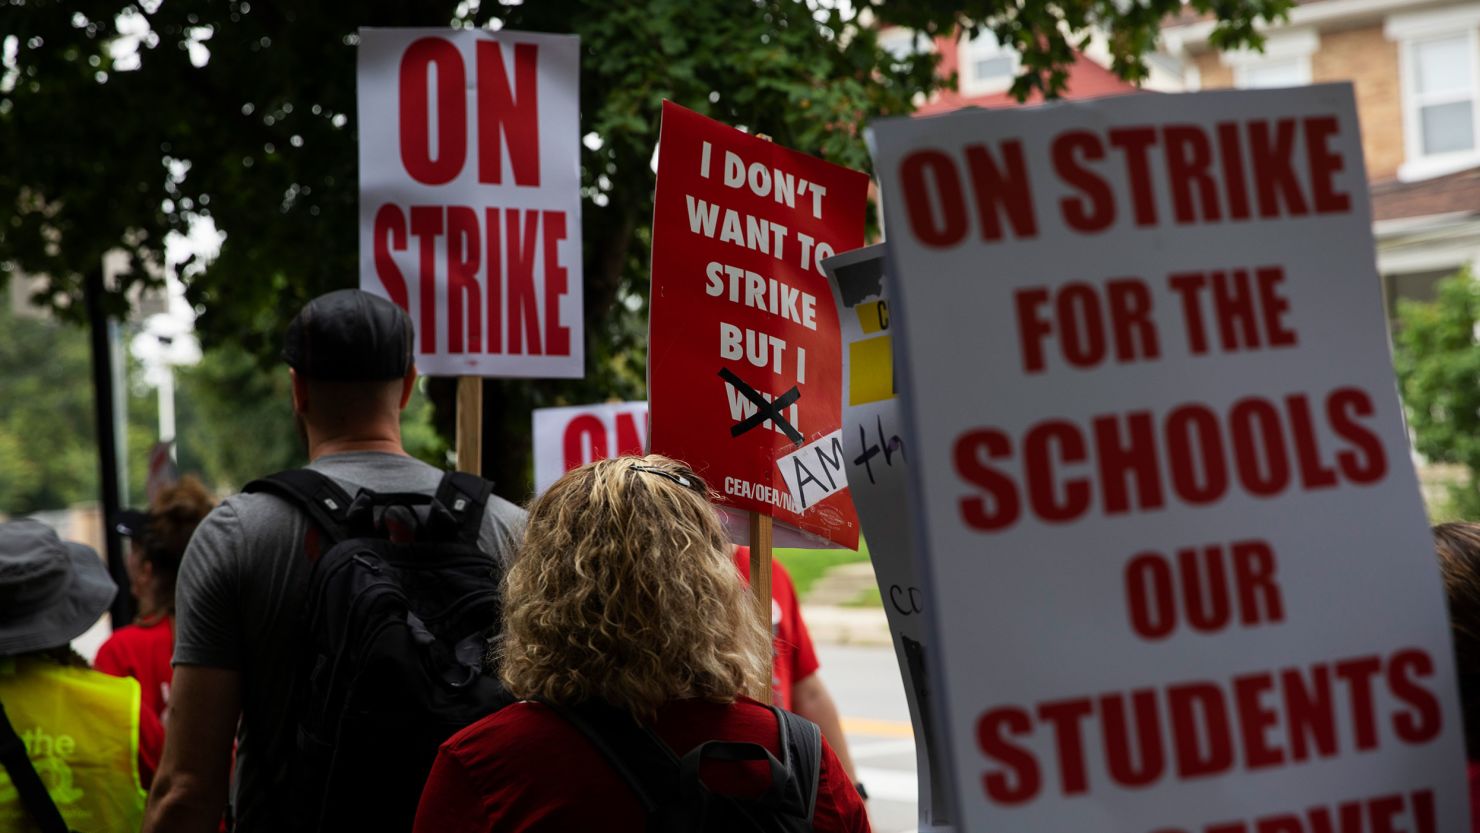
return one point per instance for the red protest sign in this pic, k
(470, 196)
(744, 366)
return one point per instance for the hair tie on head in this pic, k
(674, 476)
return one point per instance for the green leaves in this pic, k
(261, 139)
(1437, 358)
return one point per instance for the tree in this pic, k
(1438, 362)
(236, 420)
(48, 448)
(120, 123)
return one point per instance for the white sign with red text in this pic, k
(470, 205)
(1179, 572)
(567, 438)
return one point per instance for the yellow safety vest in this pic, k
(81, 728)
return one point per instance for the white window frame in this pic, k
(1243, 71)
(907, 40)
(973, 49)
(1292, 47)
(1410, 31)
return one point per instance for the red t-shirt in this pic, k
(525, 770)
(1472, 774)
(796, 659)
(151, 744)
(143, 651)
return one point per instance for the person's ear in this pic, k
(300, 392)
(408, 385)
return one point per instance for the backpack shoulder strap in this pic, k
(803, 740)
(646, 763)
(465, 497)
(33, 794)
(314, 493)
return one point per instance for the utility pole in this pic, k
(103, 404)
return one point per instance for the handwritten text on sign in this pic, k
(470, 203)
(744, 366)
(1154, 437)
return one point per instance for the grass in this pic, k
(807, 566)
(868, 598)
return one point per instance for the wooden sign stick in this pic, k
(760, 581)
(470, 425)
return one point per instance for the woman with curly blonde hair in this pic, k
(623, 594)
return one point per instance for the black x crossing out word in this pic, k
(763, 410)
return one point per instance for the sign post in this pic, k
(1178, 571)
(760, 577)
(470, 424)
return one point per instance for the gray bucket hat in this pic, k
(51, 591)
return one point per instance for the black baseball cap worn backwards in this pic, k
(350, 336)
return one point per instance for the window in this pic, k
(986, 66)
(1412, 286)
(903, 43)
(1439, 61)
(1442, 89)
(1284, 61)
(1287, 72)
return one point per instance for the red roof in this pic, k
(1087, 79)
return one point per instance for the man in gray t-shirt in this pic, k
(242, 582)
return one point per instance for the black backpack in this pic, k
(399, 613)
(669, 788)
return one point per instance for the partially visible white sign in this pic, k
(566, 438)
(875, 458)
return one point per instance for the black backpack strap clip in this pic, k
(316, 494)
(33, 794)
(460, 502)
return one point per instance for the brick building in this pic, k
(1415, 66)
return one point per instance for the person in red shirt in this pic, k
(795, 683)
(623, 592)
(157, 538)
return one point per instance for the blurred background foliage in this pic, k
(1436, 351)
(123, 122)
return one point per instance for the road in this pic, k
(865, 683)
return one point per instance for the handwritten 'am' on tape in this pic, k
(815, 471)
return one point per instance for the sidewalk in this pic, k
(833, 625)
(832, 614)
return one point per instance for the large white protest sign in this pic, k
(1180, 576)
(874, 458)
(565, 438)
(470, 206)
